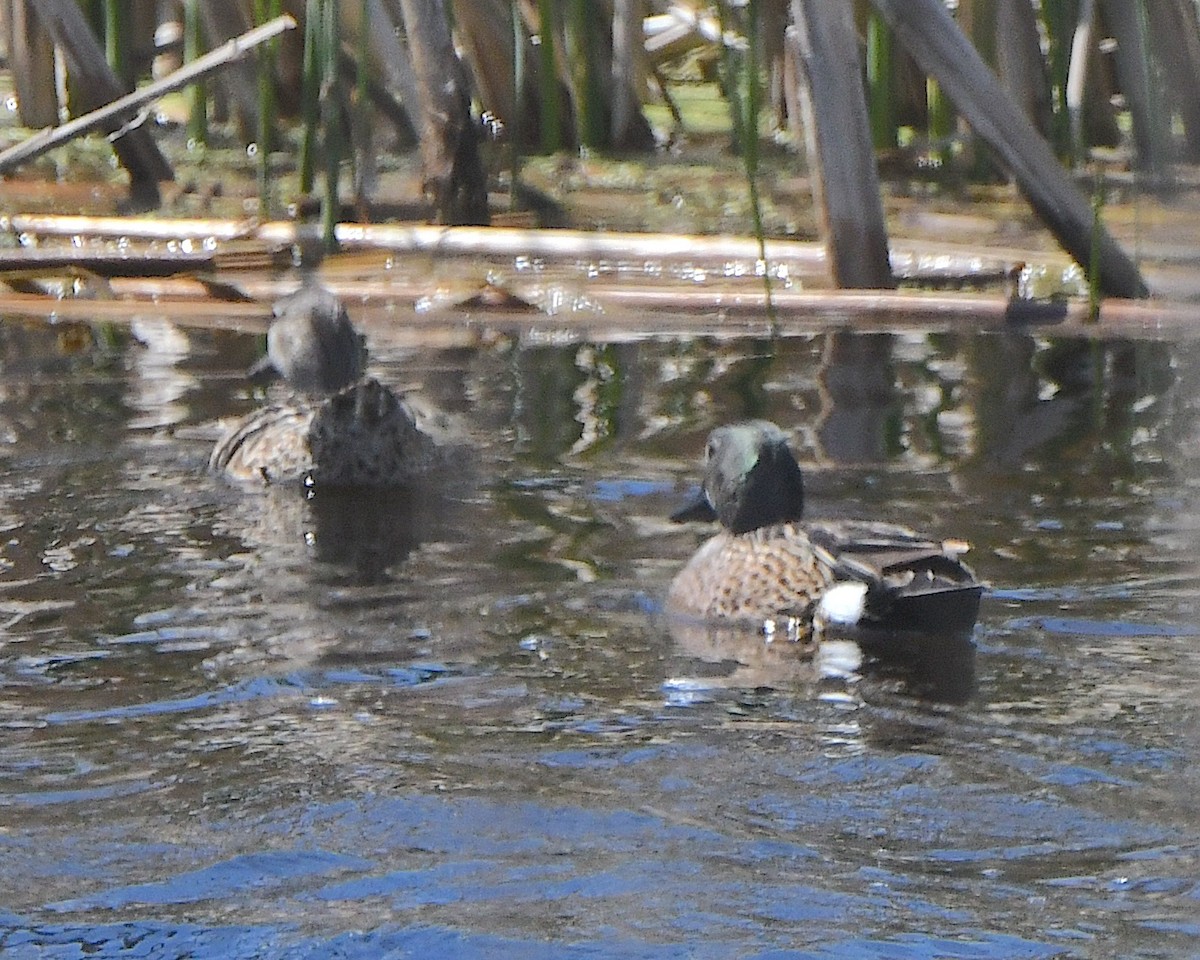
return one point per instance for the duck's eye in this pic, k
(710, 451)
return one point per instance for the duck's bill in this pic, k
(696, 510)
(263, 371)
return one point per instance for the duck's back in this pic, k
(362, 436)
(913, 582)
(366, 436)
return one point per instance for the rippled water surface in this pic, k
(455, 722)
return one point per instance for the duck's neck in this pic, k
(772, 493)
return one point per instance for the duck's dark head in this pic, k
(751, 479)
(311, 343)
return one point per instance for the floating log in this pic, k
(447, 241)
(620, 313)
(930, 34)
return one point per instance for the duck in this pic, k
(769, 568)
(338, 427)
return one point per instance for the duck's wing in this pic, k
(268, 445)
(913, 582)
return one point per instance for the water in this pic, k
(456, 724)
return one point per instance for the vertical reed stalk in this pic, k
(310, 95)
(750, 146)
(744, 95)
(1155, 120)
(551, 115)
(730, 73)
(265, 10)
(362, 104)
(116, 37)
(941, 120)
(879, 83)
(516, 123)
(1060, 21)
(575, 31)
(1093, 270)
(193, 44)
(330, 117)
(592, 112)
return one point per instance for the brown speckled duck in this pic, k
(765, 567)
(340, 430)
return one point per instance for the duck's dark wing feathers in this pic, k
(913, 583)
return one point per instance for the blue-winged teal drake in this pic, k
(340, 431)
(766, 567)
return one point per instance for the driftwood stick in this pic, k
(135, 228)
(422, 238)
(47, 139)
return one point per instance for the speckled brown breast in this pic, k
(765, 574)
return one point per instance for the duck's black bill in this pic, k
(698, 509)
(263, 371)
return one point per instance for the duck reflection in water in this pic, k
(900, 596)
(338, 428)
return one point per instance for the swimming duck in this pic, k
(340, 431)
(767, 568)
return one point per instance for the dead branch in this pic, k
(127, 106)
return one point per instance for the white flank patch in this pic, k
(843, 603)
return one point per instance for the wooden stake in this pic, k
(930, 34)
(840, 153)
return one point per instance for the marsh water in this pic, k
(454, 721)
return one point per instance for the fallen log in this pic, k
(620, 313)
(798, 261)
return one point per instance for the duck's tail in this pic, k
(912, 583)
